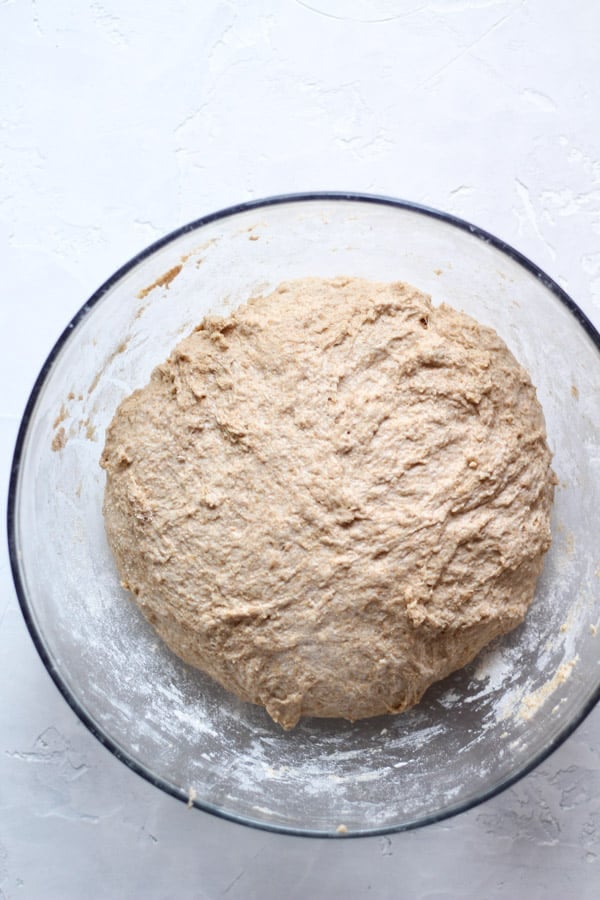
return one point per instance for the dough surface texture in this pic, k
(331, 498)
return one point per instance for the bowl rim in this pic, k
(49, 663)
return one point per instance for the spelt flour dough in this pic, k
(331, 498)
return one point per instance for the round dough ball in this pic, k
(331, 498)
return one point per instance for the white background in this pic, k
(123, 119)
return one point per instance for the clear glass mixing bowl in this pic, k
(473, 734)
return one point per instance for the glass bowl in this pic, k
(474, 733)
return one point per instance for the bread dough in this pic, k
(331, 498)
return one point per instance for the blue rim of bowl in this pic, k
(108, 742)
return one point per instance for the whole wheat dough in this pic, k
(331, 498)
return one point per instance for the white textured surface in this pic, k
(120, 121)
